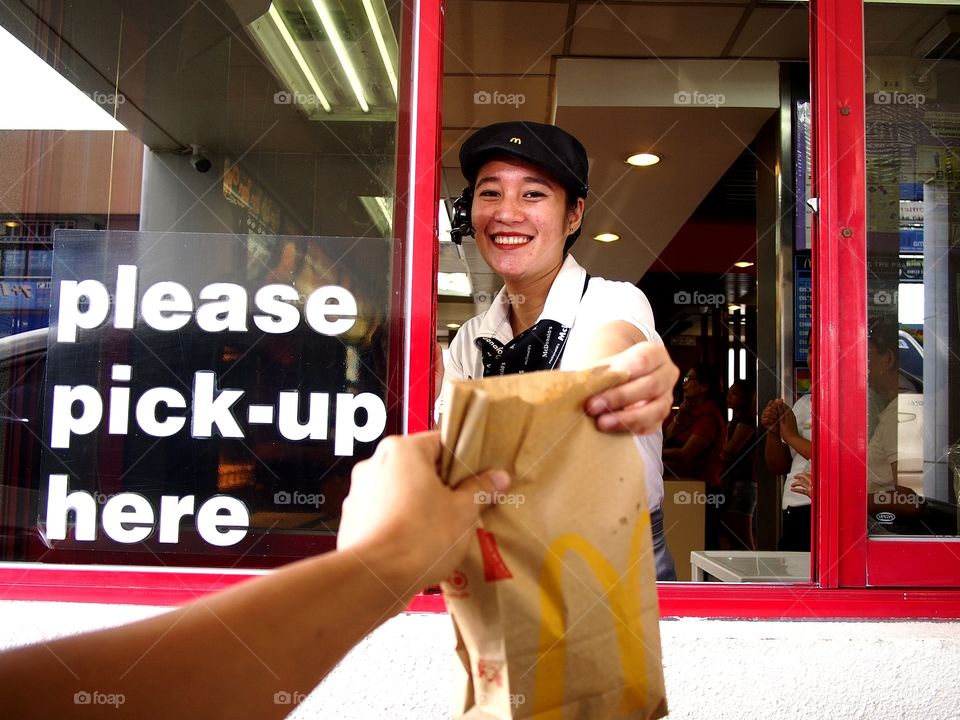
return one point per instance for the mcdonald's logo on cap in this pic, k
(516, 141)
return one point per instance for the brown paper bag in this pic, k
(555, 606)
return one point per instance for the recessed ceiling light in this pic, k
(643, 159)
(743, 264)
(453, 326)
(11, 223)
(606, 237)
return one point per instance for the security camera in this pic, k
(200, 162)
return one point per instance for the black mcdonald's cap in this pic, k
(546, 146)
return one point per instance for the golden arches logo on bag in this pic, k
(623, 598)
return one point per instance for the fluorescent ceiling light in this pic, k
(457, 284)
(380, 210)
(37, 97)
(331, 30)
(643, 159)
(298, 56)
(381, 44)
(743, 264)
(606, 237)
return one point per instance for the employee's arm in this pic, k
(776, 453)
(790, 434)
(640, 404)
(250, 651)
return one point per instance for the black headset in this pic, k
(461, 225)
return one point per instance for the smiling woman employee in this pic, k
(524, 205)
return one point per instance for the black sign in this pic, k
(209, 391)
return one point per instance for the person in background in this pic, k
(235, 653)
(524, 205)
(739, 479)
(693, 443)
(889, 504)
(787, 450)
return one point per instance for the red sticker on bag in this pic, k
(494, 568)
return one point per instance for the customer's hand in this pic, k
(640, 404)
(399, 508)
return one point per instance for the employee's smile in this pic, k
(512, 239)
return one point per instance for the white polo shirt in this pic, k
(603, 302)
(803, 410)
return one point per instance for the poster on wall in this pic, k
(802, 178)
(803, 307)
(203, 403)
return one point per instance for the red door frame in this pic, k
(843, 552)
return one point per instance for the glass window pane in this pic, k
(218, 148)
(913, 269)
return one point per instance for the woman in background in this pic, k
(693, 442)
(739, 480)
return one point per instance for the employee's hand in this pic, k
(640, 404)
(398, 508)
(803, 484)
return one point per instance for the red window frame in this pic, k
(847, 566)
(414, 303)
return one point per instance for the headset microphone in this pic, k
(461, 216)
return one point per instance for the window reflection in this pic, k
(273, 128)
(913, 220)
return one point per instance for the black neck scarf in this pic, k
(539, 347)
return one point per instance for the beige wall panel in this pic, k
(474, 102)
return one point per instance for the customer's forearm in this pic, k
(253, 651)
